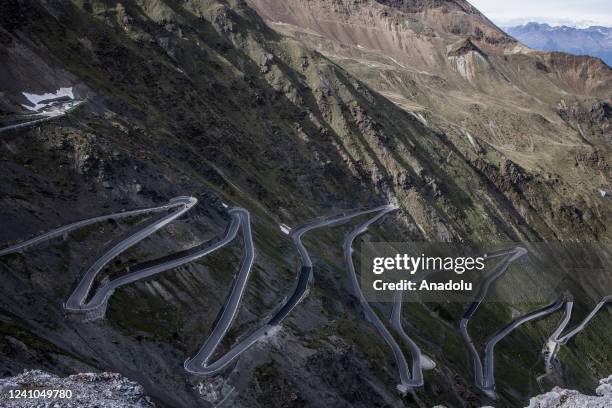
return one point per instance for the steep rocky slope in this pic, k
(104, 390)
(494, 98)
(202, 98)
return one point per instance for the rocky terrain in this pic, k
(293, 110)
(595, 41)
(104, 390)
(560, 397)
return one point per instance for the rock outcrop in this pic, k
(103, 390)
(562, 398)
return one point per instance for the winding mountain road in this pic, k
(485, 377)
(488, 385)
(240, 219)
(420, 361)
(557, 339)
(200, 364)
(370, 314)
(417, 367)
(500, 268)
(175, 202)
(77, 300)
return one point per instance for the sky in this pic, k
(579, 13)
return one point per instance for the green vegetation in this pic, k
(150, 314)
(31, 340)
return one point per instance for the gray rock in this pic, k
(559, 397)
(105, 390)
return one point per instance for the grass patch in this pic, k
(31, 340)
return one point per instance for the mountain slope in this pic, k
(463, 75)
(202, 98)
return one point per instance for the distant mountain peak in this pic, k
(536, 26)
(595, 41)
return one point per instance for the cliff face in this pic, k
(342, 105)
(412, 33)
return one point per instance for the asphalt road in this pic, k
(396, 322)
(77, 300)
(48, 116)
(365, 306)
(500, 268)
(557, 339)
(200, 364)
(306, 263)
(106, 290)
(488, 385)
(177, 202)
(485, 377)
(230, 308)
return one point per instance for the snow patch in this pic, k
(419, 117)
(470, 139)
(422, 229)
(36, 99)
(394, 60)
(51, 104)
(427, 363)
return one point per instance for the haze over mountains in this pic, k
(293, 110)
(595, 41)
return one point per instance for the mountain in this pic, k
(451, 68)
(594, 41)
(294, 111)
